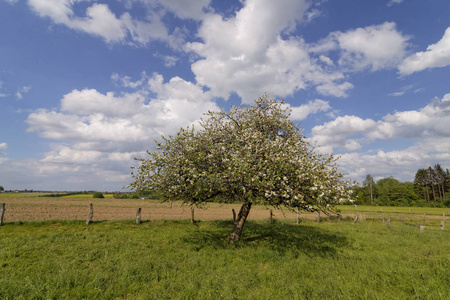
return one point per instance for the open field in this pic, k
(180, 260)
(29, 207)
(47, 252)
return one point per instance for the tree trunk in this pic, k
(240, 221)
(371, 193)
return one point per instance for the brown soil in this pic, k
(41, 208)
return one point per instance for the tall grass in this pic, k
(394, 209)
(179, 260)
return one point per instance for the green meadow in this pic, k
(179, 260)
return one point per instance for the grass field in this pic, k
(113, 258)
(178, 260)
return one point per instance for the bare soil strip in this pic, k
(41, 209)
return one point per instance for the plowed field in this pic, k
(77, 208)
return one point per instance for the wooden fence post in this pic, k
(297, 216)
(442, 224)
(382, 217)
(422, 228)
(357, 218)
(138, 215)
(234, 215)
(318, 216)
(271, 217)
(192, 215)
(340, 218)
(2, 212)
(91, 214)
(389, 222)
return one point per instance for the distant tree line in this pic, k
(64, 194)
(430, 188)
(432, 184)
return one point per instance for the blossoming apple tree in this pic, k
(253, 154)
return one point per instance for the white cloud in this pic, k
(334, 89)
(187, 9)
(143, 32)
(334, 133)
(433, 120)
(247, 55)
(2, 95)
(3, 147)
(99, 20)
(301, 112)
(126, 80)
(95, 136)
(95, 128)
(376, 47)
(12, 1)
(312, 14)
(66, 173)
(169, 61)
(436, 56)
(192, 9)
(326, 60)
(402, 91)
(392, 2)
(428, 128)
(403, 163)
(21, 91)
(397, 94)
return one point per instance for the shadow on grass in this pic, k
(280, 237)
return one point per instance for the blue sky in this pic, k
(87, 85)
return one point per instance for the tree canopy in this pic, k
(253, 154)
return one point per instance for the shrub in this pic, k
(98, 195)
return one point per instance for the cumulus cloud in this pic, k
(335, 133)
(95, 124)
(436, 56)
(2, 95)
(193, 9)
(21, 91)
(246, 54)
(100, 21)
(433, 120)
(376, 47)
(96, 135)
(126, 80)
(403, 91)
(392, 2)
(301, 112)
(3, 147)
(187, 9)
(427, 127)
(403, 163)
